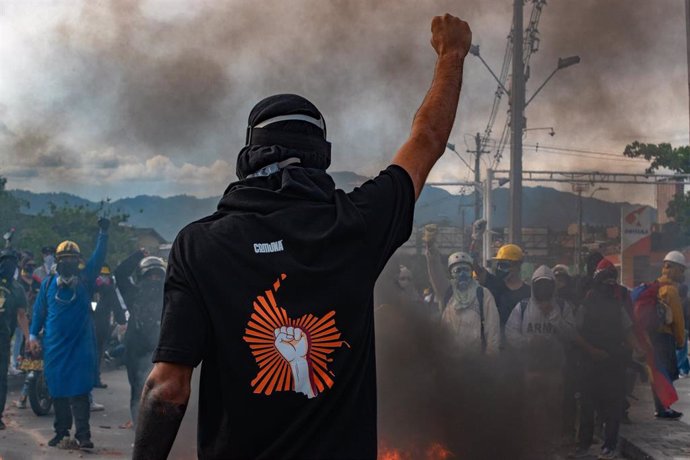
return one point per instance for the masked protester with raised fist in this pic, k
(286, 250)
(63, 311)
(505, 283)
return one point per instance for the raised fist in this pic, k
(103, 224)
(450, 34)
(293, 344)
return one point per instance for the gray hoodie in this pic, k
(533, 324)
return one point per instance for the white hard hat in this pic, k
(459, 258)
(676, 257)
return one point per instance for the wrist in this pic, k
(452, 54)
(32, 337)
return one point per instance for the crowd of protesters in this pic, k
(71, 312)
(584, 339)
(582, 336)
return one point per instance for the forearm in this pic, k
(97, 259)
(23, 322)
(433, 121)
(162, 409)
(437, 276)
(435, 117)
(127, 266)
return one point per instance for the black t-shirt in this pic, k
(506, 298)
(274, 294)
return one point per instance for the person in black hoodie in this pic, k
(605, 325)
(143, 295)
(107, 304)
(274, 291)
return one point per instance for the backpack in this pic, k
(480, 301)
(648, 312)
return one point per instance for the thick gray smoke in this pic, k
(475, 408)
(146, 78)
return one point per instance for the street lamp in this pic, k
(562, 64)
(451, 147)
(517, 111)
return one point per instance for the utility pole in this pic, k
(487, 244)
(687, 46)
(517, 110)
(477, 175)
(579, 188)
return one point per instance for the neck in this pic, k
(513, 281)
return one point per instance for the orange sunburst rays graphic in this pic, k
(292, 355)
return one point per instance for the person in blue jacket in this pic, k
(63, 310)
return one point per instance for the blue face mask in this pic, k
(462, 276)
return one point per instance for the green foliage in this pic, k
(661, 156)
(79, 225)
(76, 223)
(675, 159)
(679, 210)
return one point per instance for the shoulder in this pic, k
(392, 179)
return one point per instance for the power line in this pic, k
(571, 149)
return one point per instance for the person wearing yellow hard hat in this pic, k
(505, 284)
(63, 311)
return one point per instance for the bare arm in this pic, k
(451, 38)
(163, 404)
(437, 274)
(23, 323)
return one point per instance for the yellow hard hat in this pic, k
(105, 270)
(67, 248)
(511, 252)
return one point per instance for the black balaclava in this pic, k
(543, 289)
(68, 267)
(8, 265)
(272, 139)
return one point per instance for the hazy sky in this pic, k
(125, 97)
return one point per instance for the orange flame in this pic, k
(435, 451)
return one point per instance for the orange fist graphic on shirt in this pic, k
(293, 345)
(291, 354)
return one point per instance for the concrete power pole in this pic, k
(687, 45)
(517, 110)
(478, 152)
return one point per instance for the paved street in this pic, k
(27, 435)
(647, 437)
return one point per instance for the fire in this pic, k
(435, 451)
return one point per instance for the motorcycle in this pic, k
(39, 397)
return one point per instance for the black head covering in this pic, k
(298, 138)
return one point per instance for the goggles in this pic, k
(456, 270)
(504, 265)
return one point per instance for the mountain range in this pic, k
(544, 207)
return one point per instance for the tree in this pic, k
(676, 159)
(78, 224)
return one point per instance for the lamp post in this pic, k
(517, 113)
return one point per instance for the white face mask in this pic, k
(48, 262)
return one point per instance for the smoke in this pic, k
(147, 78)
(476, 407)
